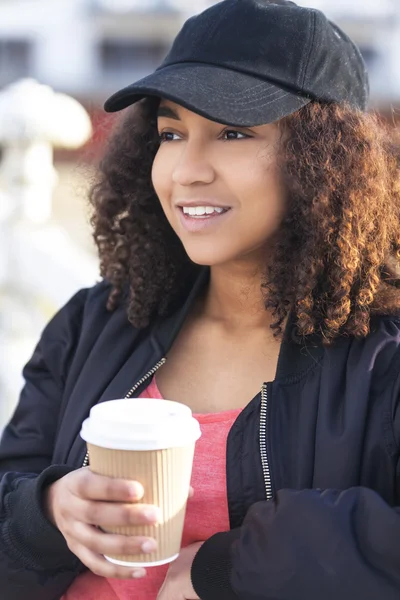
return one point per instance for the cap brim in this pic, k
(219, 94)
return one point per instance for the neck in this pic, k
(234, 296)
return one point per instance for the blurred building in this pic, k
(87, 48)
(112, 42)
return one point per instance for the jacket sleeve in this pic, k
(306, 544)
(32, 550)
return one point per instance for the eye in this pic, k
(233, 134)
(167, 136)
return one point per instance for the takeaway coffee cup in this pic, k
(151, 441)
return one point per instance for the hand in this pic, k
(178, 583)
(81, 501)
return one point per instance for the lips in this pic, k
(204, 201)
(204, 221)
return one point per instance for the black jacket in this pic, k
(326, 450)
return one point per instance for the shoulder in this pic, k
(85, 301)
(95, 296)
(385, 327)
(93, 300)
(384, 331)
(379, 352)
(78, 323)
(64, 329)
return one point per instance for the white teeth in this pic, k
(200, 211)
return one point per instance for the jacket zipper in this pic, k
(131, 391)
(263, 442)
(263, 427)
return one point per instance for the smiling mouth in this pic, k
(202, 212)
(198, 219)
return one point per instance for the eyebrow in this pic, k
(167, 112)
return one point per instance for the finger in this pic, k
(112, 544)
(191, 492)
(92, 486)
(116, 514)
(102, 567)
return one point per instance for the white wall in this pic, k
(61, 34)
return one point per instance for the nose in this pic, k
(193, 166)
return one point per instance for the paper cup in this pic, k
(151, 441)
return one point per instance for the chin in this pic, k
(208, 255)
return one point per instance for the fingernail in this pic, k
(135, 490)
(149, 546)
(152, 514)
(138, 573)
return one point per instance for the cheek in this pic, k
(159, 177)
(262, 198)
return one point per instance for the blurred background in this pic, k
(59, 61)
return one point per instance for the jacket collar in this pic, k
(134, 353)
(294, 360)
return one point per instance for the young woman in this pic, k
(248, 224)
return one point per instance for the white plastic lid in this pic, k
(140, 424)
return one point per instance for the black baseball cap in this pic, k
(250, 62)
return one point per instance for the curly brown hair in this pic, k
(335, 260)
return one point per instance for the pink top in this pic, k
(206, 514)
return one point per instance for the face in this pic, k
(218, 185)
